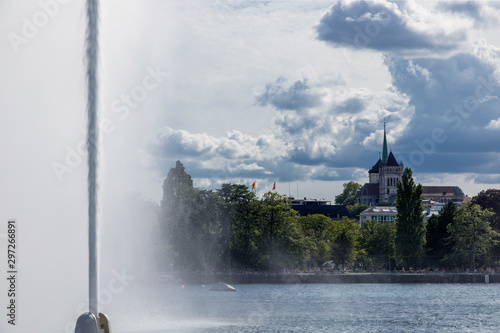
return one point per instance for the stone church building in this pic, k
(383, 180)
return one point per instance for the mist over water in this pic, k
(310, 308)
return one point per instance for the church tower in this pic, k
(390, 172)
(383, 183)
(383, 179)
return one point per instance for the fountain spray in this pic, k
(92, 321)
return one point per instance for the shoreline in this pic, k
(333, 278)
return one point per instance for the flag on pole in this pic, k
(274, 186)
(253, 186)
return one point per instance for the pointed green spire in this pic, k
(384, 151)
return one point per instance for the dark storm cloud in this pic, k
(284, 95)
(335, 134)
(487, 179)
(294, 124)
(470, 8)
(309, 144)
(481, 12)
(459, 162)
(385, 26)
(302, 156)
(351, 105)
(443, 114)
(452, 93)
(455, 101)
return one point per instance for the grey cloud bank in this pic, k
(430, 70)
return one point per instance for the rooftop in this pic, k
(380, 210)
(442, 190)
(306, 201)
(391, 160)
(369, 189)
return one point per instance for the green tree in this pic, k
(437, 233)
(377, 239)
(490, 199)
(356, 209)
(201, 242)
(410, 228)
(177, 193)
(241, 225)
(316, 225)
(192, 224)
(348, 195)
(471, 236)
(317, 230)
(177, 180)
(284, 242)
(344, 247)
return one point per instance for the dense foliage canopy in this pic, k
(410, 228)
(230, 228)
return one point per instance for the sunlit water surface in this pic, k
(308, 308)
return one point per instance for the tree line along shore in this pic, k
(231, 229)
(292, 278)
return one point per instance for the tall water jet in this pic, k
(92, 321)
(92, 146)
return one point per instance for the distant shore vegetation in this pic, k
(230, 228)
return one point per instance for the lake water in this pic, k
(308, 308)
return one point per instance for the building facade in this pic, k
(383, 180)
(378, 213)
(443, 194)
